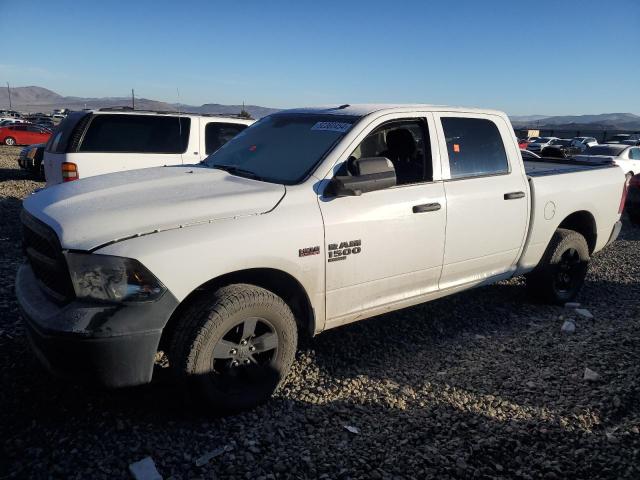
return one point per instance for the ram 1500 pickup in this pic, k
(307, 220)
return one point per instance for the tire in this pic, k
(10, 141)
(560, 274)
(210, 339)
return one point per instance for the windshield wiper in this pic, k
(239, 171)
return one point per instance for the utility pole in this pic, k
(133, 100)
(9, 90)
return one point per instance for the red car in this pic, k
(24, 134)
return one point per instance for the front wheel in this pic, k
(234, 347)
(560, 274)
(10, 141)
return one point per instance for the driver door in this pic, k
(385, 247)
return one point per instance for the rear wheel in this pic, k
(10, 141)
(234, 348)
(561, 272)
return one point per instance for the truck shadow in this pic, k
(474, 377)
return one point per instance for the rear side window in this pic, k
(217, 134)
(475, 147)
(136, 134)
(634, 154)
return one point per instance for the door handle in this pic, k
(426, 207)
(513, 195)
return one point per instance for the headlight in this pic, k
(119, 279)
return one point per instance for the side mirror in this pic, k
(367, 175)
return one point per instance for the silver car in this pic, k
(540, 143)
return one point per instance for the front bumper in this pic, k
(112, 345)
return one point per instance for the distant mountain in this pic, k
(38, 99)
(602, 121)
(526, 118)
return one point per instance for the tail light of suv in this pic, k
(69, 172)
(625, 189)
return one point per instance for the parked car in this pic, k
(626, 156)
(9, 114)
(103, 141)
(621, 137)
(582, 143)
(528, 155)
(306, 221)
(559, 148)
(10, 121)
(522, 143)
(23, 134)
(633, 200)
(631, 142)
(30, 159)
(538, 144)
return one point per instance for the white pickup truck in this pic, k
(307, 220)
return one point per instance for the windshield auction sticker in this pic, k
(332, 126)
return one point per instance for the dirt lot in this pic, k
(483, 384)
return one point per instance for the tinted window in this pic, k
(136, 134)
(475, 147)
(281, 148)
(634, 154)
(406, 144)
(217, 134)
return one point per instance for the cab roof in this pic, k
(361, 110)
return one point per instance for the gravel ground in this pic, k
(482, 384)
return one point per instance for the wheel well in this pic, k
(281, 283)
(583, 223)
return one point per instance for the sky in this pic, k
(523, 57)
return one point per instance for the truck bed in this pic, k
(562, 187)
(556, 166)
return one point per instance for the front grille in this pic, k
(42, 248)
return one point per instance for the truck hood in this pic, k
(98, 210)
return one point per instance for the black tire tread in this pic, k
(539, 281)
(208, 312)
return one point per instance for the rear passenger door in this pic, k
(487, 198)
(214, 134)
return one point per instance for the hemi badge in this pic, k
(305, 252)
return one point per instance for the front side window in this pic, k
(283, 147)
(475, 147)
(406, 144)
(634, 154)
(217, 134)
(136, 134)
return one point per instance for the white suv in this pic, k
(102, 141)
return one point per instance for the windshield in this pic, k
(542, 140)
(564, 143)
(609, 150)
(281, 148)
